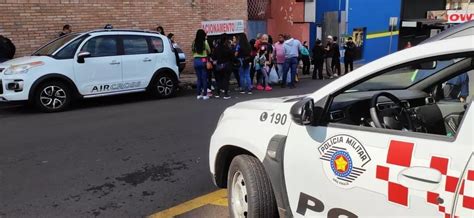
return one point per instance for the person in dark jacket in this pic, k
(161, 30)
(329, 54)
(349, 55)
(318, 60)
(223, 55)
(7, 49)
(66, 30)
(336, 59)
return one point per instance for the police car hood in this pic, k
(22, 60)
(269, 103)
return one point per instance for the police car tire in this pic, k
(164, 80)
(37, 96)
(260, 197)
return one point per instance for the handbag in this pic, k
(209, 65)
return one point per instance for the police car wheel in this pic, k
(164, 86)
(249, 189)
(52, 96)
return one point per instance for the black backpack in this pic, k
(7, 48)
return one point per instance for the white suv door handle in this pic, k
(114, 62)
(147, 60)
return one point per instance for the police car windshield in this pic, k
(403, 77)
(53, 46)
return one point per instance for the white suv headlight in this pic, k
(22, 68)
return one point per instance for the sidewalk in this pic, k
(188, 81)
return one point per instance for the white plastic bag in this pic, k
(273, 76)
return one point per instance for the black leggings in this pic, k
(222, 79)
(306, 64)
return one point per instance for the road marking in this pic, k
(214, 198)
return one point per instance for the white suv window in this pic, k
(101, 46)
(157, 43)
(133, 45)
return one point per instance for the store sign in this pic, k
(460, 16)
(224, 26)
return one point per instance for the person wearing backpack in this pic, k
(201, 51)
(223, 55)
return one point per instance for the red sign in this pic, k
(460, 16)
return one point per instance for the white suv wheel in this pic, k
(53, 97)
(165, 86)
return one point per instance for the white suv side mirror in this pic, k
(82, 55)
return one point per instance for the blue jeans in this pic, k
(245, 82)
(201, 74)
(290, 64)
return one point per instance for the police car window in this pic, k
(133, 45)
(101, 46)
(403, 77)
(69, 51)
(157, 44)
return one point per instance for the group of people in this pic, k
(252, 63)
(330, 56)
(260, 63)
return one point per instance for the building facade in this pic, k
(32, 23)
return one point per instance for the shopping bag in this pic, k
(273, 76)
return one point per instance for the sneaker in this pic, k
(217, 96)
(226, 97)
(210, 90)
(331, 77)
(336, 75)
(268, 88)
(199, 97)
(249, 93)
(242, 92)
(260, 87)
(205, 97)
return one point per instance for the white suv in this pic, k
(91, 64)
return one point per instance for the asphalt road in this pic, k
(122, 156)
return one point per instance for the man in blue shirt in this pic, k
(292, 48)
(458, 87)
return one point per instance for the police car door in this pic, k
(357, 171)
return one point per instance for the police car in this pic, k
(92, 64)
(384, 140)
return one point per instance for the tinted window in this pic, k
(157, 44)
(69, 51)
(135, 45)
(101, 46)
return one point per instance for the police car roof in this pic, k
(465, 29)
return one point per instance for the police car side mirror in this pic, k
(302, 112)
(82, 56)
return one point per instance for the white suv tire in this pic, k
(52, 96)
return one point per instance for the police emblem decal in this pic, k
(345, 159)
